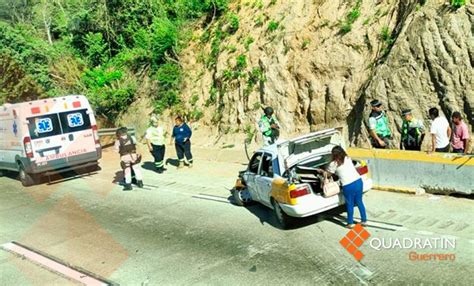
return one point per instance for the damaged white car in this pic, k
(283, 176)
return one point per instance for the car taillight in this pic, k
(96, 134)
(302, 191)
(28, 147)
(363, 170)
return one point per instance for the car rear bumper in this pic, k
(313, 204)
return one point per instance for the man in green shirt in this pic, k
(379, 126)
(269, 127)
(155, 139)
(413, 132)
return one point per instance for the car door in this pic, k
(264, 179)
(251, 174)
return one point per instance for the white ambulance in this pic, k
(46, 136)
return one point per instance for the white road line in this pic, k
(52, 265)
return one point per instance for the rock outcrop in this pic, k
(319, 63)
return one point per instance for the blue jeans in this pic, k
(353, 195)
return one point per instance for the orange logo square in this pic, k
(354, 239)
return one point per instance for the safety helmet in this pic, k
(121, 131)
(268, 111)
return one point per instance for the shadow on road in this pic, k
(149, 166)
(266, 215)
(172, 162)
(58, 177)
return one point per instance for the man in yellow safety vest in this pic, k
(155, 139)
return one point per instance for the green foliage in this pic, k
(32, 54)
(169, 76)
(109, 47)
(257, 4)
(256, 75)
(456, 4)
(109, 91)
(259, 21)
(195, 114)
(212, 97)
(232, 48)
(351, 17)
(241, 62)
(345, 28)
(96, 52)
(272, 2)
(387, 39)
(305, 44)
(248, 42)
(233, 21)
(273, 26)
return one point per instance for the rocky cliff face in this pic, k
(319, 63)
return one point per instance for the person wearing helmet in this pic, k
(269, 127)
(125, 145)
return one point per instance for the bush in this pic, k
(233, 21)
(109, 91)
(273, 26)
(96, 49)
(351, 17)
(248, 42)
(458, 3)
(168, 76)
(241, 62)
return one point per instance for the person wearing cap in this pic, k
(125, 145)
(460, 139)
(440, 131)
(379, 126)
(155, 139)
(269, 127)
(413, 132)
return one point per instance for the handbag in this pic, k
(330, 188)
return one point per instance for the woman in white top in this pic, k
(352, 185)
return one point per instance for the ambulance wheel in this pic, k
(25, 178)
(283, 219)
(241, 197)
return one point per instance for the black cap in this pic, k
(406, 111)
(268, 111)
(375, 103)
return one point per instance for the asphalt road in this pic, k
(182, 229)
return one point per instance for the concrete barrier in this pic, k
(411, 171)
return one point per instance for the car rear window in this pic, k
(44, 126)
(76, 120)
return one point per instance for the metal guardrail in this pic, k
(111, 131)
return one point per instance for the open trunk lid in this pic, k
(309, 146)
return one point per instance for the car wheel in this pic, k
(242, 197)
(25, 178)
(283, 219)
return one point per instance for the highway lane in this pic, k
(181, 229)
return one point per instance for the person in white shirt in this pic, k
(352, 185)
(440, 132)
